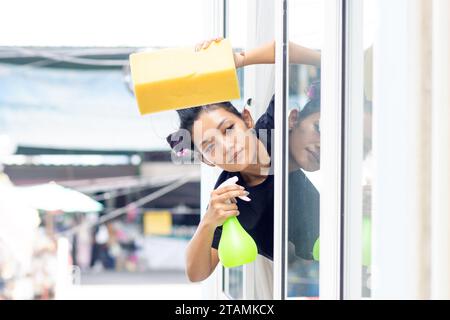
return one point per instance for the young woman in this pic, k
(304, 155)
(224, 137)
(304, 133)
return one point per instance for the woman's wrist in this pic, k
(264, 54)
(206, 226)
(239, 59)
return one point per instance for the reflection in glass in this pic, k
(303, 221)
(369, 26)
(304, 198)
(233, 279)
(234, 283)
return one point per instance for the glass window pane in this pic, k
(237, 33)
(306, 20)
(234, 283)
(233, 279)
(368, 34)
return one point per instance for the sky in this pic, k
(102, 22)
(140, 23)
(145, 23)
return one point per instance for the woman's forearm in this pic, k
(265, 54)
(303, 55)
(199, 264)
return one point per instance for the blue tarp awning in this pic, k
(76, 109)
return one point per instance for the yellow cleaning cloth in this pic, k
(180, 78)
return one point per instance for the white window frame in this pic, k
(218, 10)
(331, 152)
(400, 195)
(212, 287)
(353, 150)
(331, 141)
(278, 152)
(440, 185)
(401, 122)
(330, 216)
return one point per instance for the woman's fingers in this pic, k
(232, 194)
(232, 187)
(205, 44)
(198, 46)
(230, 213)
(227, 206)
(218, 39)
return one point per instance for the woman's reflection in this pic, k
(304, 155)
(304, 134)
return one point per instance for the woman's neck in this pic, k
(293, 165)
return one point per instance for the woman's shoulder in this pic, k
(224, 176)
(266, 121)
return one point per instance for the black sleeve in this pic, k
(265, 125)
(266, 121)
(218, 232)
(270, 112)
(216, 239)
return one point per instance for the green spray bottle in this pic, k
(236, 246)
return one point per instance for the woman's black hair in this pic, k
(313, 105)
(188, 117)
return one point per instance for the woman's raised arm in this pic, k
(265, 54)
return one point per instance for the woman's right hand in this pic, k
(222, 205)
(239, 58)
(206, 43)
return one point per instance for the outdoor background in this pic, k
(91, 205)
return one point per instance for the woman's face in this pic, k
(225, 140)
(304, 141)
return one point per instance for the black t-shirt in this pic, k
(303, 216)
(256, 217)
